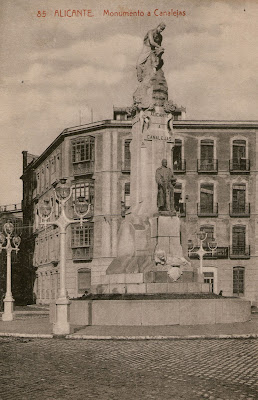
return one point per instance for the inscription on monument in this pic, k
(168, 139)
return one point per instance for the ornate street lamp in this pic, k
(63, 193)
(8, 239)
(202, 236)
(81, 208)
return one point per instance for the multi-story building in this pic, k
(215, 163)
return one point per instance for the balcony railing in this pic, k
(11, 207)
(126, 166)
(207, 211)
(239, 166)
(82, 253)
(239, 210)
(179, 167)
(83, 167)
(221, 253)
(181, 209)
(239, 252)
(207, 166)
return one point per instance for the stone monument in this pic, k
(150, 257)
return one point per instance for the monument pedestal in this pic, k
(165, 233)
(149, 252)
(150, 260)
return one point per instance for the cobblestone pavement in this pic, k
(57, 369)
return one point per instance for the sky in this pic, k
(54, 70)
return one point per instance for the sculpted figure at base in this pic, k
(150, 59)
(166, 183)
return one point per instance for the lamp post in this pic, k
(202, 236)
(82, 208)
(8, 300)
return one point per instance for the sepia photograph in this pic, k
(129, 200)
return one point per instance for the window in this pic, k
(178, 202)
(239, 154)
(238, 280)
(207, 150)
(239, 240)
(126, 200)
(207, 162)
(53, 165)
(121, 117)
(209, 278)
(207, 198)
(84, 189)
(51, 248)
(47, 175)
(52, 285)
(127, 156)
(209, 229)
(82, 236)
(45, 250)
(38, 182)
(41, 245)
(238, 198)
(127, 195)
(42, 179)
(83, 150)
(84, 280)
(177, 155)
(83, 156)
(36, 253)
(82, 241)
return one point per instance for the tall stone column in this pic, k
(152, 142)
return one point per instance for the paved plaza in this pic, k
(59, 369)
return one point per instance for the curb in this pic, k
(34, 313)
(192, 337)
(94, 337)
(28, 335)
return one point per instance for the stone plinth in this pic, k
(161, 312)
(165, 232)
(138, 269)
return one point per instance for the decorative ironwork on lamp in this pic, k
(45, 211)
(63, 191)
(81, 208)
(200, 251)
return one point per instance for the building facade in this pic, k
(215, 163)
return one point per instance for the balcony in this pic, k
(179, 167)
(181, 209)
(239, 166)
(82, 253)
(207, 211)
(239, 252)
(207, 166)
(83, 168)
(241, 211)
(126, 166)
(221, 253)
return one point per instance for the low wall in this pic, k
(159, 312)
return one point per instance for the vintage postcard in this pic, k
(129, 199)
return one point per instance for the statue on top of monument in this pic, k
(150, 59)
(166, 182)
